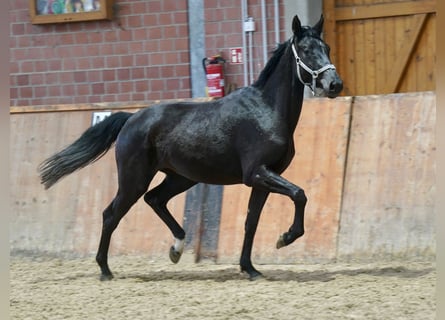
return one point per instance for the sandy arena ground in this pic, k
(55, 288)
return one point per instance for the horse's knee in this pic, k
(152, 200)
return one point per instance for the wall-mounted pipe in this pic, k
(264, 30)
(277, 21)
(243, 18)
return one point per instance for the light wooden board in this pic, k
(389, 194)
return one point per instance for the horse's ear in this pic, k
(296, 26)
(319, 25)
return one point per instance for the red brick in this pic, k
(182, 71)
(165, 19)
(109, 75)
(154, 6)
(180, 18)
(112, 87)
(151, 46)
(54, 91)
(81, 38)
(135, 47)
(166, 45)
(171, 57)
(37, 79)
(13, 67)
(167, 71)
(141, 85)
(54, 65)
(141, 59)
(138, 96)
(139, 7)
(106, 49)
(27, 67)
(123, 97)
(18, 29)
(66, 77)
(65, 39)
(25, 92)
(153, 72)
(120, 48)
(40, 92)
(83, 89)
(153, 95)
(40, 66)
(181, 44)
(22, 80)
(134, 21)
(95, 99)
(138, 73)
(235, 14)
(125, 35)
(68, 64)
(126, 61)
(83, 63)
(95, 37)
(110, 36)
(157, 85)
(156, 59)
(52, 77)
(112, 62)
(123, 74)
(13, 93)
(127, 86)
(98, 88)
(97, 62)
(94, 76)
(139, 34)
(168, 95)
(80, 76)
(69, 90)
(154, 33)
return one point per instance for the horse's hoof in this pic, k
(106, 277)
(174, 255)
(280, 242)
(256, 276)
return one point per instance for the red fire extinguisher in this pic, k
(213, 68)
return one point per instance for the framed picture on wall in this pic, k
(59, 11)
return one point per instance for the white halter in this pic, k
(314, 73)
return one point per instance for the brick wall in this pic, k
(143, 54)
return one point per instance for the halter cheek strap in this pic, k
(314, 73)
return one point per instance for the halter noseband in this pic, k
(314, 73)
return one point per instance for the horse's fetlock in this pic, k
(300, 196)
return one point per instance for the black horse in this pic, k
(245, 137)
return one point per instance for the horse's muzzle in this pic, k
(335, 87)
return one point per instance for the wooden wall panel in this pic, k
(389, 194)
(68, 217)
(382, 47)
(318, 167)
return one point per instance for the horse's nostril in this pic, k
(336, 86)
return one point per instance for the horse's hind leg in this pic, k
(158, 197)
(132, 185)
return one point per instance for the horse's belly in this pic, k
(207, 168)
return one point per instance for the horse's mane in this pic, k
(305, 31)
(271, 64)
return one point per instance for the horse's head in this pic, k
(313, 65)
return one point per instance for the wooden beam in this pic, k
(404, 53)
(97, 106)
(381, 10)
(330, 34)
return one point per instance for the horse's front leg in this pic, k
(273, 182)
(256, 202)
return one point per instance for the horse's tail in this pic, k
(91, 146)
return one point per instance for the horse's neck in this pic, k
(285, 93)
